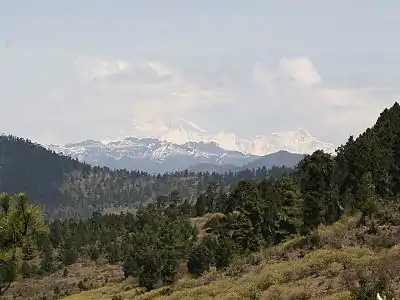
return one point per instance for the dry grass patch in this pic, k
(91, 274)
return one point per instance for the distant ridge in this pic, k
(279, 159)
(181, 144)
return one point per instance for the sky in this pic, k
(77, 70)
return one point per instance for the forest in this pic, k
(65, 187)
(233, 217)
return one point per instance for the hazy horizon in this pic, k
(74, 71)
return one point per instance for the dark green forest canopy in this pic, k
(65, 186)
(376, 151)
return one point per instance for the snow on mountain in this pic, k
(180, 144)
(297, 141)
(151, 155)
(181, 131)
(177, 131)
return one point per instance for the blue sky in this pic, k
(74, 70)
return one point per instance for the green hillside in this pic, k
(67, 187)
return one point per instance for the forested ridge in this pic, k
(328, 230)
(65, 187)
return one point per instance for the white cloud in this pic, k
(299, 91)
(110, 94)
(106, 95)
(91, 68)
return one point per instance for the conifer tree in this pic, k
(20, 223)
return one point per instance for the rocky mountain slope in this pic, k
(152, 155)
(181, 144)
(278, 159)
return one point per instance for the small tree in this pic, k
(366, 199)
(20, 223)
(130, 267)
(70, 256)
(149, 271)
(199, 260)
(200, 205)
(94, 253)
(223, 253)
(47, 262)
(26, 270)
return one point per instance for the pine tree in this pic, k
(366, 200)
(223, 253)
(20, 222)
(47, 259)
(200, 205)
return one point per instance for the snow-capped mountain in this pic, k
(181, 144)
(151, 155)
(177, 131)
(181, 131)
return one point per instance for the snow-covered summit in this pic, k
(179, 144)
(181, 131)
(177, 131)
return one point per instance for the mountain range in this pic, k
(65, 187)
(181, 144)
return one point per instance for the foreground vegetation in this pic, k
(345, 263)
(328, 230)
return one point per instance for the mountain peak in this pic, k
(303, 132)
(179, 143)
(145, 134)
(180, 131)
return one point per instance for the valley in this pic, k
(326, 229)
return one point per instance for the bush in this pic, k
(94, 253)
(199, 260)
(83, 286)
(57, 290)
(26, 270)
(368, 289)
(166, 291)
(70, 256)
(130, 267)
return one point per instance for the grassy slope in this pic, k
(288, 271)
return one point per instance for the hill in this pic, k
(280, 158)
(207, 167)
(374, 155)
(63, 186)
(346, 261)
